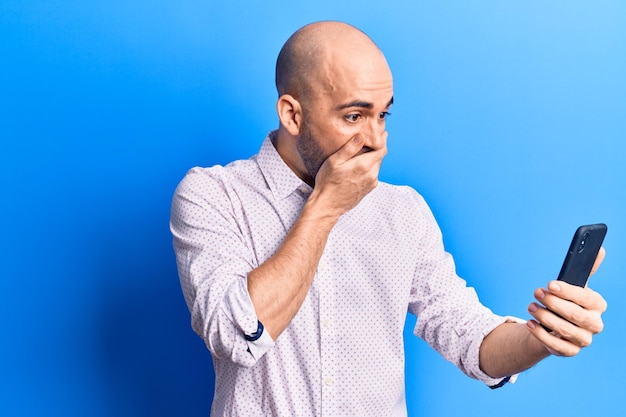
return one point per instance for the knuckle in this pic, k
(586, 340)
(578, 316)
(567, 349)
(579, 339)
(571, 351)
(600, 327)
(566, 334)
(597, 325)
(595, 301)
(603, 305)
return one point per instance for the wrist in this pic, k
(321, 213)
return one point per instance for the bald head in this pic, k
(305, 57)
(334, 85)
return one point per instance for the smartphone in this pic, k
(582, 254)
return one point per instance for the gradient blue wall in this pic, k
(510, 118)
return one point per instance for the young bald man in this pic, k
(299, 266)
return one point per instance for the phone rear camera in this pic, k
(581, 246)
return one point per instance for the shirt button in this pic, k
(323, 266)
(326, 323)
(329, 380)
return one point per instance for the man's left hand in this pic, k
(580, 311)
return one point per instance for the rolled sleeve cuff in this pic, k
(242, 314)
(260, 346)
(476, 372)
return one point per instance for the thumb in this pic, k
(599, 259)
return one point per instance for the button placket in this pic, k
(328, 339)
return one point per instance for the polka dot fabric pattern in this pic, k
(342, 354)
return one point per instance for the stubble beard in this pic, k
(310, 151)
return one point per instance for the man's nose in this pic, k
(374, 133)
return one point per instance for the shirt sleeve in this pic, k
(450, 317)
(213, 261)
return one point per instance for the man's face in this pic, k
(350, 98)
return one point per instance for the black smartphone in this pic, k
(582, 254)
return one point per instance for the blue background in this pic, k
(509, 119)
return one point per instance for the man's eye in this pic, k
(383, 115)
(353, 117)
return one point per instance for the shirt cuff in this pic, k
(494, 383)
(242, 314)
(502, 383)
(260, 346)
(239, 307)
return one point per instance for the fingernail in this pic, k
(531, 324)
(356, 139)
(541, 294)
(532, 307)
(553, 286)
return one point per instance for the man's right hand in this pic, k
(348, 175)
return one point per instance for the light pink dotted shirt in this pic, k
(342, 354)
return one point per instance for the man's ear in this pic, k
(290, 114)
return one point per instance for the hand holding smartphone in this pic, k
(581, 255)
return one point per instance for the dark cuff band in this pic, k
(501, 383)
(254, 336)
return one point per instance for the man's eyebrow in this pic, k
(361, 104)
(355, 103)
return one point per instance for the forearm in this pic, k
(509, 349)
(279, 286)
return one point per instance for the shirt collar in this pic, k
(279, 177)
